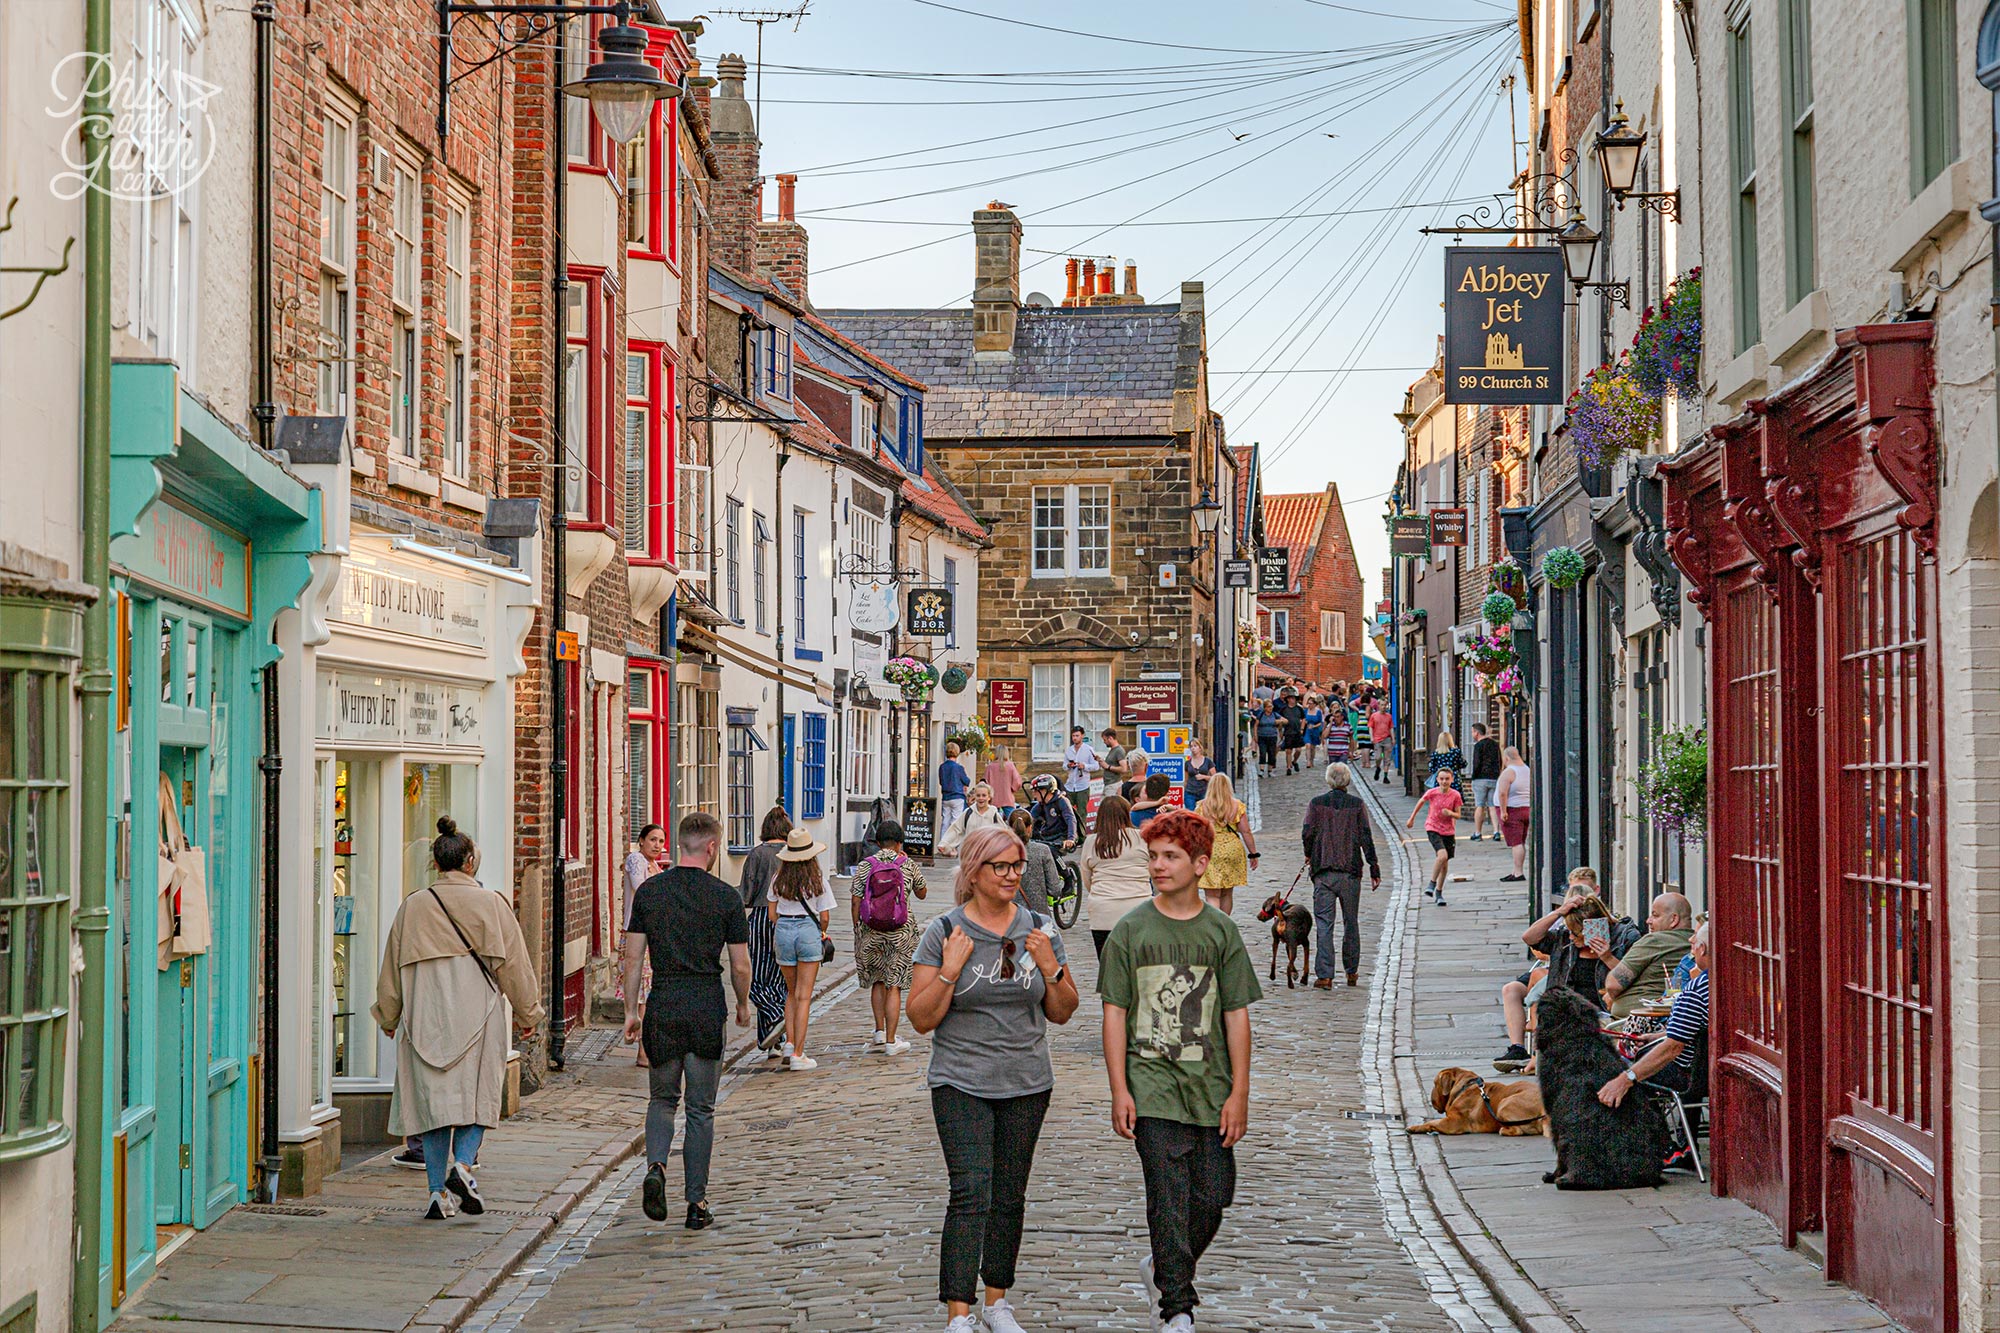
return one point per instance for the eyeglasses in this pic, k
(1007, 869)
(1006, 957)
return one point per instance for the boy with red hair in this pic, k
(1177, 984)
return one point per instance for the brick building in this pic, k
(1316, 623)
(1080, 436)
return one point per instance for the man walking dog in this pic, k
(1337, 839)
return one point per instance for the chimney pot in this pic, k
(788, 186)
(1070, 267)
(1105, 278)
(1131, 278)
(1089, 280)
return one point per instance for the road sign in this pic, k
(566, 646)
(1153, 740)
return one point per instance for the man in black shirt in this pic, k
(1485, 776)
(685, 917)
(1293, 713)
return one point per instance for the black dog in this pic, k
(1291, 930)
(1597, 1147)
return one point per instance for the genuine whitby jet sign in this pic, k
(1503, 325)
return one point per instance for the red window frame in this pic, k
(599, 319)
(662, 238)
(574, 838)
(649, 549)
(658, 720)
(597, 144)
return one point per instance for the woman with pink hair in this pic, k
(990, 976)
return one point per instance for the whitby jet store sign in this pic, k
(1503, 325)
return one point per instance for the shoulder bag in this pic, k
(484, 970)
(182, 888)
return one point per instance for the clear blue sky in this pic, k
(1358, 109)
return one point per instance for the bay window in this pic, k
(586, 340)
(646, 421)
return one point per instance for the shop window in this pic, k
(1795, 72)
(1065, 695)
(1743, 172)
(919, 778)
(1933, 59)
(812, 803)
(1072, 531)
(863, 751)
(357, 912)
(34, 899)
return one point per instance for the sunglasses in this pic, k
(1006, 960)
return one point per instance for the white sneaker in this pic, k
(1180, 1323)
(785, 1051)
(1000, 1318)
(1152, 1292)
(965, 1323)
(878, 1041)
(896, 1047)
(800, 1063)
(774, 1054)
(442, 1206)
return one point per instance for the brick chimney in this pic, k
(781, 245)
(733, 131)
(1132, 282)
(996, 278)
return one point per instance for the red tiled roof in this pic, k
(1294, 520)
(938, 502)
(813, 435)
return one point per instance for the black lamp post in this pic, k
(623, 89)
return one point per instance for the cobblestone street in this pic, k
(829, 1187)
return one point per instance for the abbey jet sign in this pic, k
(1503, 325)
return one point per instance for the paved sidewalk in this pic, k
(1668, 1259)
(359, 1256)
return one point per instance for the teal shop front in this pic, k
(211, 539)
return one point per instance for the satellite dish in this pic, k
(1039, 300)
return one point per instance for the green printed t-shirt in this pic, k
(1175, 980)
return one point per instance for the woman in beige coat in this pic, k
(454, 952)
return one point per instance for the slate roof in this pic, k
(1078, 372)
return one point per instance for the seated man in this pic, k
(1641, 975)
(1670, 1061)
(1568, 964)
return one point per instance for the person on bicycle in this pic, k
(1055, 818)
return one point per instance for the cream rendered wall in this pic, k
(41, 352)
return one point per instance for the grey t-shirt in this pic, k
(993, 1041)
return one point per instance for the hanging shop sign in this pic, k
(1007, 708)
(872, 608)
(1410, 536)
(1448, 526)
(419, 599)
(1147, 701)
(919, 825)
(1274, 569)
(1503, 324)
(929, 613)
(364, 708)
(1238, 573)
(181, 553)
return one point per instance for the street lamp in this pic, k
(1619, 148)
(622, 87)
(1207, 514)
(1579, 250)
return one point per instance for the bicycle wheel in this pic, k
(1069, 902)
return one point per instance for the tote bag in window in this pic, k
(183, 885)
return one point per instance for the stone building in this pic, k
(1316, 622)
(1080, 436)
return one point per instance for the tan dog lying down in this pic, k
(1468, 1104)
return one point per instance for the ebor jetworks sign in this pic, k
(1503, 324)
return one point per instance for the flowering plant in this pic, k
(1507, 576)
(1666, 352)
(1507, 680)
(969, 736)
(1673, 787)
(915, 675)
(1563, 568)
(1610, 414)
(1498, 608)
(1494, 652)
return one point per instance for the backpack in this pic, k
(884, 904)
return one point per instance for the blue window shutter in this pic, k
(812, 804)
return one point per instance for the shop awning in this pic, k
(701, 640)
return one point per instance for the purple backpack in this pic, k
(884, 903)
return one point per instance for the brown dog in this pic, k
(1470, 1105)
(1292, 931)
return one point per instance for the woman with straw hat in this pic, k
(801, 904)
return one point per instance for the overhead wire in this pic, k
(1099, 36)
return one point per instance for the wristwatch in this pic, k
(1632, 1077)
(1062, 970)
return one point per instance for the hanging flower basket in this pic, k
(969, 737)
(1498, 608)
(916, 677)
(1673, 788)
(1666, 352)
(1609, 415)
(1494, 652)
(1508, 577)
(1507, 680)
(955, 679)
(1487, 666)
(1563, 568)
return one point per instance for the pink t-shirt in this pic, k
(1004, 779)
(1440, 816)
(1379, 726)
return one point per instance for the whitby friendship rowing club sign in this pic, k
(1503, 324)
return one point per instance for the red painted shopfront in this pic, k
(1807, 527)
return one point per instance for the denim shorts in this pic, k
(798, 941)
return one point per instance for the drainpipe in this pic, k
(93, 913)
(272, 763)
(778, 503)
(558, 542)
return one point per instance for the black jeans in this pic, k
(1097, 938)
(1190, 1179)
(989, 1148)
(1267, 751)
